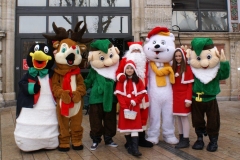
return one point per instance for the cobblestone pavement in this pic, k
(229, 142)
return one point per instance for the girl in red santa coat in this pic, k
(182, 95)
(130, 94)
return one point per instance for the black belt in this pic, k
(203, 95)
(199, 95)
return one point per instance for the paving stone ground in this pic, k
(229, 142)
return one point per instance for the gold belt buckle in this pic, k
(198, 99)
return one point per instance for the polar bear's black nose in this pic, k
(157, 46)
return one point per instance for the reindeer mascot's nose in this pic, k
(73, 47)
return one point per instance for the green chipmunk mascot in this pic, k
(68, 85)
(209, 67)
(36, 118)
(104, 60)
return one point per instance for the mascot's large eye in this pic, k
(209, 56)
(101, 58)
(78, 51)
(198, 58)
(46, 49)
(64, 50)
(111, 55)
(163, 42)
(154, 42)
(36, 48)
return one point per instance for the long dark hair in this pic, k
(182, 64)
(134, 78)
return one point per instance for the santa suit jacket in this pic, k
(126, 92)
(182, 92)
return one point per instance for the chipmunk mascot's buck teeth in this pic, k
(209, 67)
(68, 84)
(36, 123)
(159, 48)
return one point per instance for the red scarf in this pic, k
(67, 86)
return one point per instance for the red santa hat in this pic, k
(135, 45)
(130, 63)
(158, 30)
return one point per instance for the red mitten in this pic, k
(122, 78)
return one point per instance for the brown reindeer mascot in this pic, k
(68, 86)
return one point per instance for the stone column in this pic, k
(8, 51)
(136, 18)
(156, 13)
(2, 103)
(235, 64)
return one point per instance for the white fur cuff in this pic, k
(133, 103)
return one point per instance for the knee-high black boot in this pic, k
(128, 141)
(134, 147)
(212, 145)
(199, 144)
(142, 141)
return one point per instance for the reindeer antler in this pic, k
(61, 33)
(78, 33)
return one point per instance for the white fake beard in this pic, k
(140, 61)
(205, 75)
(107, 72)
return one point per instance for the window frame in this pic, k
(179, 7)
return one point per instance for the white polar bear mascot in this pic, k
(159, 49)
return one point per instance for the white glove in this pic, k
(133, 103)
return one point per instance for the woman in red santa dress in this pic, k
(182, 95)
(130, 94)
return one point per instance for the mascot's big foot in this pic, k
(171, 140)
(64, 147)
(143, 142)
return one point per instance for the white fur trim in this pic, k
(129, 96)
(130, 130)
(135, 46)
(124, 92)
(188, 101)
(185, 82)
(181, 114)
(130, 64)
(119, 75)
(133, 103)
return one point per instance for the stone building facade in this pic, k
(146, 14)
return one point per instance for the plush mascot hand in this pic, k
(222, 56)
(36, 88)
(66, 97)
(122, 78)
(133, 103)
(76, 97)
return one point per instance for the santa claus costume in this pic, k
(130, 94)
(182, 96)
(136, 54)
